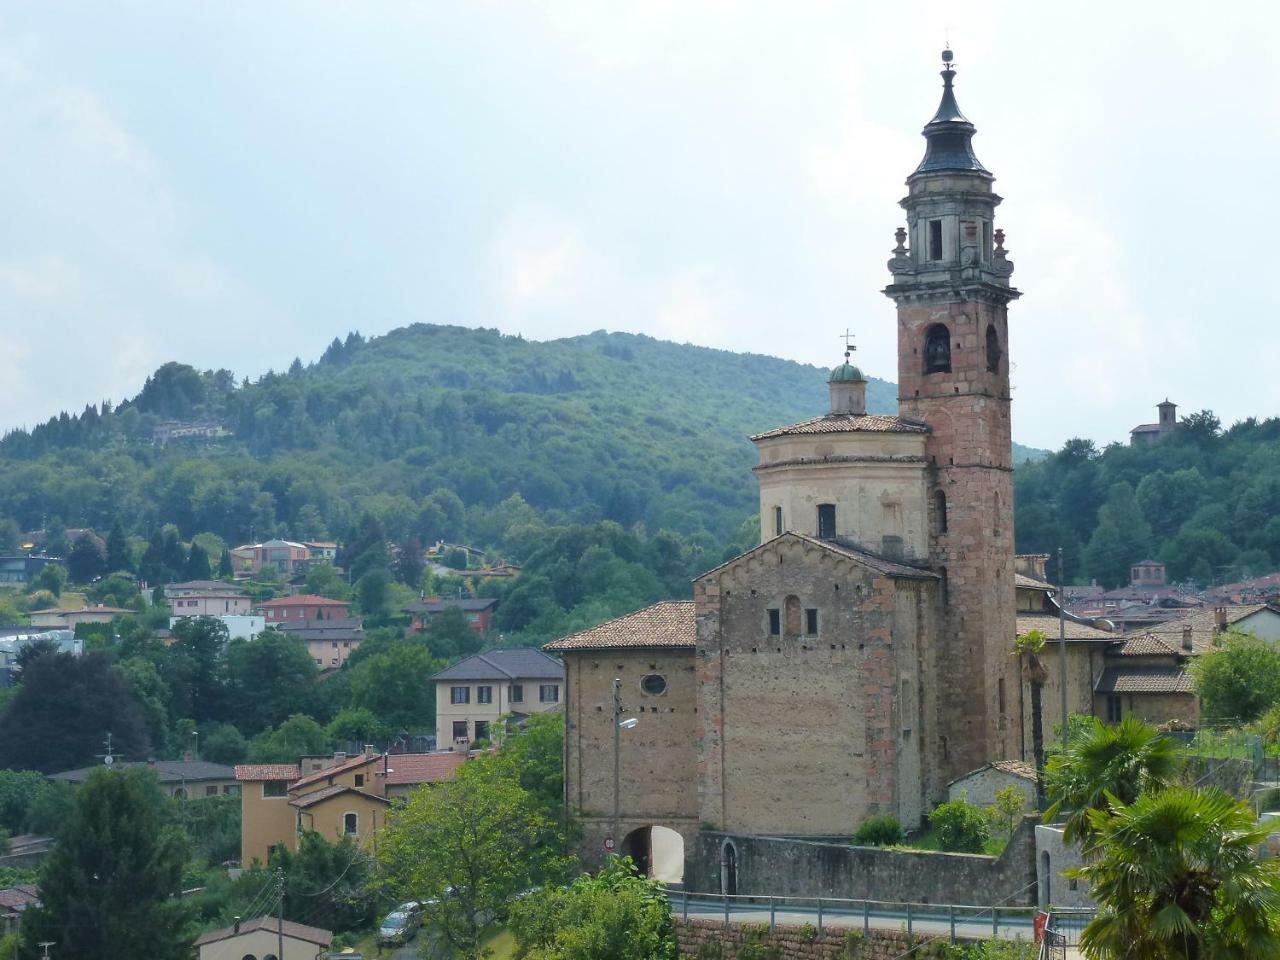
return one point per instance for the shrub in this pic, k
(960, 826)
(880, 831)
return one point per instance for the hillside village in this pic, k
(851, 691)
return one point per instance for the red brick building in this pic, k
(303, 607)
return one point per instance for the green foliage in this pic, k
(86, 560)
(31, 804)
(1240, 680)
(52, 577)
(223, 743)
(1104, 762)
(115, 590)
(65, 705)
(533, 753)
(114, 876)
(294, 737)
(1176, 874)
(329, 880)
(324, 581)
(451, 637)
(212, 826)
(614, 914)
(395, 687)
(1009, 806)
(960, 826)
(358, 725)
(883, 830)
(459, 836)
(268, 679)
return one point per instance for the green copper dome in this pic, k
(846, 373)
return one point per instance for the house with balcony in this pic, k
(473, 693)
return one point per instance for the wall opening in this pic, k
(657, 852)
(791, 616)
(729, 869)
(1046, 879)
(940, 507)
(826, 521)
(993, 349)
(935, 239)
(777, 521)
(937, 349)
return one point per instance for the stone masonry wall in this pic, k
(710, 940)
(797, 868)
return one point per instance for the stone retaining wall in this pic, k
(711, 940)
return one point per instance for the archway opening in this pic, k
(657, 852)
(729, 869)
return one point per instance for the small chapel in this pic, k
(859, 658)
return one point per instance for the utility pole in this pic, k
(280, 912)
(1062, 646)
(45, 945)
(617, 768)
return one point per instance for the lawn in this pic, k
(503, 945)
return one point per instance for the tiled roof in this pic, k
(518, 664)
(1019, 768)
(847, 423)
(297, 931)
(333, 623)
(304, 600)
(1145, 645)
(355, 763)
(20, 897)
(1121, 679)
(206, 585)
(439, 605)
(1048, 625)
(1146, 428)
(665, 624)
(319, 796)
(875, 561)
(1024, 582)
(267, 771)
(411, 768)
(1203, 625)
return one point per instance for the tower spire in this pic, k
(949, 133)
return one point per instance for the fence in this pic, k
(955, 921)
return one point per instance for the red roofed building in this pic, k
(303, 607)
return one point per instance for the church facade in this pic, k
(860, 657)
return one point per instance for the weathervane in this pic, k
(947, 57)
(847, 337)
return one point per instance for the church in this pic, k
(860, 657)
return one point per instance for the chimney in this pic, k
(339, 756)
(1220, 619)
(369, 750)
(1186, 637)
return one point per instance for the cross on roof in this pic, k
(847, 337)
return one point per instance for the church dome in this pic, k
(846, 373)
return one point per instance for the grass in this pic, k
(503, 945)
(928, 840)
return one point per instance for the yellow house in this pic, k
(473, 693)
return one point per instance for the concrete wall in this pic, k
(808, 735)
(1053, 859)
(875, 480)
(699, 939)
(1155, 708)
(798, 868)
(980, 786)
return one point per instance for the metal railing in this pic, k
(954, 921)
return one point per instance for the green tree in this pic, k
(197, 566)
(373, 593)
(960, 826)
(614, 914)
(295, 737)
(450, 636)
(223, 743)
(1008, 808)
(1176, 874)
(409, 565)
(324, 581)
(1103, 763)
(330, 880)
(1029, 646)
(52, 577)
(225, 570)
(114, 876)
(1240, 680)
(458, 836)
(194, 668)
(119, 556)
(85, 561)
(358, 725)
(394, 686)
(533, 753)
(268, 679)
(9, 534)
(1199, 553)
(1121, 538)
(1167, 500)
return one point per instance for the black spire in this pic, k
(949, 133)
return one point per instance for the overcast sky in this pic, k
(234, 184)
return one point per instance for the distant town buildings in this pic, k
(477, 610)
(472, 694)
(1147, 433)
(18, 571)
(303, 607)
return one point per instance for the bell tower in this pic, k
(951, 287)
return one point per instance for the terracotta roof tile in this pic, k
(298, 931)
(1145, 645)
(304, 599)
(1048, 625)
(847, 423)
(1122, 679)
(355, 763)
(1031, 583)
(1019, 768)
(410, 768)
(666, 624)
(319, 796)
(267, 771)
(20, 897)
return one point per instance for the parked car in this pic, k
(398, 927)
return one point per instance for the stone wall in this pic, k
(767, 866)
(981, 786)
(711, 940)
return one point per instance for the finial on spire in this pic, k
(947, 57)
(847, 337)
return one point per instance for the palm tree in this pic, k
(1104, 764)
(1029, 646)
(1176, 875)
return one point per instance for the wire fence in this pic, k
(954, 921)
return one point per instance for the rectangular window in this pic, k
(459, 729)
(459, 694)
(516, 693)
(777, 521)
(986, 240)
(484, 694)
(811, 623)
(211, 791)
(482, 729)
(826, 521)
(1000, 695)
(549, 693)
(775, 622)
(359, 779)
(935, 239)
(1114, 710)
(274, 789)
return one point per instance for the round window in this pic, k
(654, 685)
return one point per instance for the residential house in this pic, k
(473, 693)
(285, 556)
(321, 550)
(262, 937)
(184, 779)
(335, 796)
(329, 642)
(14, 901)
(239, 627)
(406, 772)
(21, 570)
(212, 603)
(197, 588)
(981, 786)
(478, 611)
(70, 619)
(14, 639)
(303, 607)
(167, 431)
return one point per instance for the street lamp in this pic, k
(618, 726)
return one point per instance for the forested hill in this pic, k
(432, 429)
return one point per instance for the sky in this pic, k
(235, 184)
